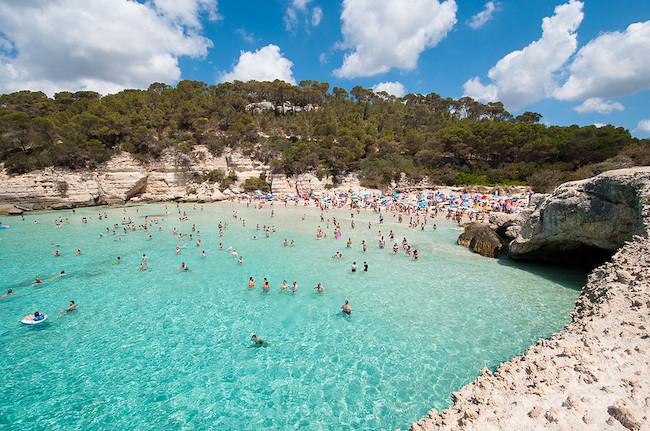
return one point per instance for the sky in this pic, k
(575, 62)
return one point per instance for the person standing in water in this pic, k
(354, 267)
(251, 283)
(346, 308)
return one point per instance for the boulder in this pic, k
(587, 219)
(481, 239)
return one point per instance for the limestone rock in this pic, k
(481, 239)
(596, 214)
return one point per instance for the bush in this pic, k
(253, 184)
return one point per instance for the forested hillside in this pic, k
(379, 136)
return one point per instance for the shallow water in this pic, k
(170, 350)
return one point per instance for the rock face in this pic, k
(595, 215)
(593, 375)
(174, 176)
(481, 239)
(124, 178)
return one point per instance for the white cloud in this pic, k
(385, 34)
(480, 19)
(290, 19)
(301, 7)
(187, 12)
(316, 16)
(601, 106)
(599, 125)
(246, 36)
(476, 90)
(265, 64)
(643, 126)
(100, 45)
(300, 4)
(394, 88)
(611, 65)
(322, 58)
(529, 75)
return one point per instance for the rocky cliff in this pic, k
(174, 176)
(593, 216)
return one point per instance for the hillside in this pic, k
(308, 128)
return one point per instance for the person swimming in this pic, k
(346, 308)
(202, 253)
(257, 341)
(319, 288)
(71, 307)
(183, 267)
(294, 288)
(143, 266)
(251, 283)
(240, 260)
(37, 280)
(9, 292)
(266, 287)
(285, 285)
(365, 266)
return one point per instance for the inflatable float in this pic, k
(29, 319)
(4, 226)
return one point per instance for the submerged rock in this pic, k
(587, 218)
(481, 239)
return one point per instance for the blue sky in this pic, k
(612, 75)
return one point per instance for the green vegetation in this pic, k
(253, 184)
(452, 141)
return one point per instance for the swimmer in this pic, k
(346, 308)
(178, 250)
(258, 341)
(71, 307)
(319, 288)
(251, 283)
(285, 285)
(285, 243)
(143, 266)
(294, 288)
(9, 292)
(37, 280)
(117, 261)
(183, 267)
(203, 253)
(354, 267)
(365, 266)
(266, 287)
(293, 243)
(77, 252)
(57, 253)
(240, 260)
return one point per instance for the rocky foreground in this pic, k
(595, 374)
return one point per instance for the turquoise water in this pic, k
(166, 349)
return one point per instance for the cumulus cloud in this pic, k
(385, 34)
(480, 19)
(101, 45)
(187, 12)
(601, 106)
(394, 88)
(529, 75)
(265, 64)
(613, 64)
(643, 126)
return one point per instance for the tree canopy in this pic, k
(310, 127)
